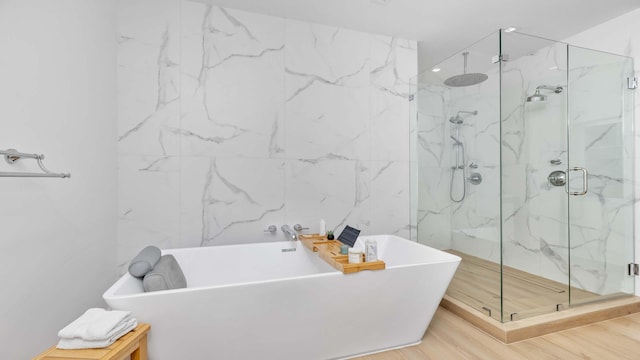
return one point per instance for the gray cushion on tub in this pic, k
(166, 275)
(144, 261)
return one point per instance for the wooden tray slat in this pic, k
(329, 251)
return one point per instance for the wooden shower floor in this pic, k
(477, 284)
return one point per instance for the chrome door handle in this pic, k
(585, 182)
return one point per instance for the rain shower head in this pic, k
(465, 79)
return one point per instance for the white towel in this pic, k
(79, 343)
(97, 324)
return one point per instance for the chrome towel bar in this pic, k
(11, 156)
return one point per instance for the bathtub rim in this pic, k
(110, 292)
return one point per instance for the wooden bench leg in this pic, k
(141, 352)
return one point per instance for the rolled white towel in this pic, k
(97, 324)
(79, 343)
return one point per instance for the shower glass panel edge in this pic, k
(457, 146)
(533, 145)
(600, 119)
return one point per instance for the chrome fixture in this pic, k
(298, 227)
(465, 79)
(475, 178)
(271, 229)
(556, 162)
(11, 156)
(286, 229)
(459, 166)
(560, 178)
(458, 119)
(473, 165)
(537, 96)
(557, 178)
(585, 182)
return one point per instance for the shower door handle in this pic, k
(585, 182)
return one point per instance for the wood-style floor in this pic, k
(477, 284)
(450, 337)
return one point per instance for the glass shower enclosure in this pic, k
(524, 168)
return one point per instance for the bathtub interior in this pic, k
(232, 265)
(236, 264)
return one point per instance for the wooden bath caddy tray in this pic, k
(329, 251)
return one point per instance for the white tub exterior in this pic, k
(253, 301)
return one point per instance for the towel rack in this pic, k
(11, 156)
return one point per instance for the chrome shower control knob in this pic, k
(298, 227)
(271, 229)
(557, 178)
(475, 178)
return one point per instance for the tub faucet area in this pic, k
(291, 235)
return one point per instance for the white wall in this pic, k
(231, 121)
(57, 248)
(620, 36)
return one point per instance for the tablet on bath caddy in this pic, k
(349, 235)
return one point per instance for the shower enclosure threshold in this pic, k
(543, 324)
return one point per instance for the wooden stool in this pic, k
(132, 344)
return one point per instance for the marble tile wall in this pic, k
(579, 240)
(535, 236)
(232, 121)
(433, 168)
(471, 225)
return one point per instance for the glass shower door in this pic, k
(600, 173)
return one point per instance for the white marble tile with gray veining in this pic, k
(232, 83)
(328, 121)
(320, 54)
(148, 204)
(389, 198)
(148, 77)
(225, 201)
(332, 189)
(393, 64)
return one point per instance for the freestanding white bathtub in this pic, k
(254, 301)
